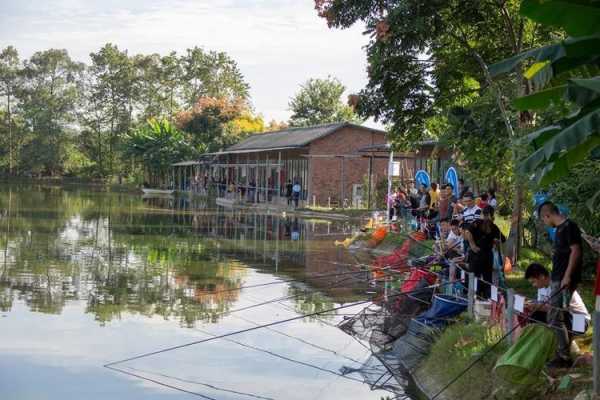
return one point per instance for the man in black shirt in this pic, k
(566, 275)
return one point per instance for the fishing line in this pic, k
(270, 324)
(159, 383)
(279, 282)
(271, 353)
(316, 346)
(255, 396)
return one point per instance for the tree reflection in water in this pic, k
(172, 258)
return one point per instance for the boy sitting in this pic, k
(539, 277)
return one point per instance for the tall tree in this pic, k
(9, 84)
(319, 101)
(422, 53)
(48, 99)
(211, 74)
(112, 96)
(215, 123)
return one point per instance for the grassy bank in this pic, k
(462, 343)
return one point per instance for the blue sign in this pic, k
(452, 178)
(422, 178)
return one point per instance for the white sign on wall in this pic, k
(396, 168)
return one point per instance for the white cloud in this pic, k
(278, 44)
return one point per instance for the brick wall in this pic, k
(336, 165)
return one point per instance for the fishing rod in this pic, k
(255, 396)
(270, 324)
(160, 383)
(279, 282)
(271, 353)
(316, 346)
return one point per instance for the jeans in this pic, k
(557, 318)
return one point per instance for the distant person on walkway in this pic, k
(567, 263)
(296, 189)
(289, 189)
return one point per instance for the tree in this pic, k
(565, 71)
(9, 85)
(48, 98)
(211, 74)
(156, 145)
(112, 95)
(423, 55)
(319, 102)
(217, 122)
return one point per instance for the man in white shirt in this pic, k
(539, 277)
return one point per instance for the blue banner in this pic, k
(452, 178)
(422, 178)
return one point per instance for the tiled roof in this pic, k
(290, 138)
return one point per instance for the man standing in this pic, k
(288, 192)
(296, 189)
(565, 276)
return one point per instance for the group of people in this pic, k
(471, 237)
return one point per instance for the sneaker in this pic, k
(559, 363)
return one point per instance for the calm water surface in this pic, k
(87, 278)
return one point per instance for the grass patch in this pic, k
(455, 349)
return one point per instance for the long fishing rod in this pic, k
(306, 342)
(270, 324)
(271, 353)
(160, 383)
(279, 282)
(194, 382)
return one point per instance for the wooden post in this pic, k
(510, 311)
(471, 294)
(451, 279)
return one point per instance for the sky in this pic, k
(278, 44)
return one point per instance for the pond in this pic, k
(88, 278)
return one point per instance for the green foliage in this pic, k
(426, 56)
(63, 118)
(575, 191)
(211, 74)
(217, 122)
(319, 102)
(157, 145)
(48, 98)
(563, 71)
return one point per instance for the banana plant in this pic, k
(568, 70)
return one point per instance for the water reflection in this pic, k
(91, 277)
(161, 257)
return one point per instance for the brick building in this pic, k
(324, 159)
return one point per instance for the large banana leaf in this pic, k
(579, 91)
(567, 141)
(542, 99)
(563, 56)
(577, 17)
(560, 166)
